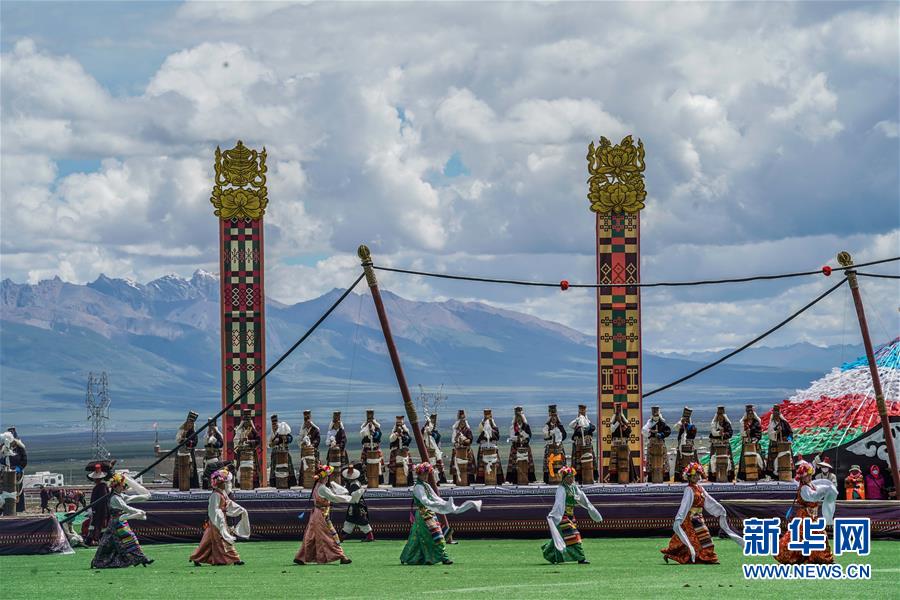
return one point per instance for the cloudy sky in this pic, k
(452, 137)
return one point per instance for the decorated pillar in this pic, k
(239, 197)
(616, 192)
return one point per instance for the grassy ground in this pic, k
(622, 568)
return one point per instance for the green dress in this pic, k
(426, 545)
(568, 529)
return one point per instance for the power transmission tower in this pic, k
(430, 402)
(97, 402)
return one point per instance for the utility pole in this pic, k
(847, 261)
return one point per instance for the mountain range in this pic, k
(159, 343)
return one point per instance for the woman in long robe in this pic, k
(426, 544)
(217, 545)
(321, 543)
(692, 542)
(118, 545)
(565, 543)
(814, 498)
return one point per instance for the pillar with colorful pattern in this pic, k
(616, 192)
(240, 198)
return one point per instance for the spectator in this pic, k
(824, 470)
(854, 486)
(875, 486)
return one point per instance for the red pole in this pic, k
(366, 258)
(847, 261)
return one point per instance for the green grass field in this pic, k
(622, 568)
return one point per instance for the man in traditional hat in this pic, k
(583, 457)
(336, 442)
(554, 451)
(13, 460)
(431, 435)
(751, 433)
(779, 433)
(720, 433)
(655, 432)
(620, 432)
(281, 463)
(520, 448)
(98, 472)
(399, 441)
(358, 511)
(309, 432)
(247, 441)
(185, 458)
(489, 464)
(212, 452)
(686, 453)
(370, 436)
(463, 458)
(824, 470)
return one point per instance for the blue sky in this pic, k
(452, 137)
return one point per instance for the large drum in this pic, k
(460, 467)
(522, 466)
(336, 461)
(719, 461)
(583, 461)
(8, 484)
(211, 452)
(401, 466)
(656, 456)
(686, 455)
(751, 460)
(622, 456)
(282, 468)
(307, 466)
(374, 462)
(246, 467)
(492, 468)
(784, 462)
(556, 459)
(183, 465)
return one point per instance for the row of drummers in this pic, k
(463, 466)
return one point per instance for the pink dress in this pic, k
(320, 540)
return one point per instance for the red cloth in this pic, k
(795, 557)
(680, 553)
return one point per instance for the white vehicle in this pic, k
(43, 478)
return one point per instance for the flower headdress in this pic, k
(117, 479)
(565, 472)
(423, 468)
(220, 476)
(694, 468)
(802, 469)
(323, 472)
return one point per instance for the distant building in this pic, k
(43, 478)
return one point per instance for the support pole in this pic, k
(847, 261)
(366, 258)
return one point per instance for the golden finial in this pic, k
(845, 259)
(616, 183)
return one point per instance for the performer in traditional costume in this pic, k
(520, 467)
(855, 484)
(463, 463)
(686, 453)
(692, 542)
(217, 545)
(751, 434)
(554, 451)
(655, 432)
(309, 438)
(583, 459)
(565, 543)
(490, 469)
(118, 545)
(310, 431)
(336, 443)
(321, 543)
(621, 468)
(432, 437)
(426, 544)
(399, 463)
(815, 499)
(281, 470)
(358, 511)
(780, 457)
(212, 452)
(824, 470)
(721, 461)
(246, 449)
(13, 459)
(185, 458)
(371, 457)
(99, 472)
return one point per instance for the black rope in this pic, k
(748, 344)
(879, 275)
(640, 285)
(239, 398)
